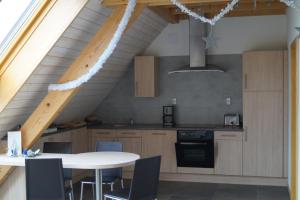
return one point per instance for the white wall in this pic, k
(293, 20)
(235, 35)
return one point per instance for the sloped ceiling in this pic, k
(64, 52)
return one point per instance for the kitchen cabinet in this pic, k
(263, 144)
(263, 70)
(145, 76)
(132, 143)
(228, 153)
(161, 143)
(263, 113)
(101, 135)
(79, 138)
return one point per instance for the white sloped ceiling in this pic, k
(64, 52)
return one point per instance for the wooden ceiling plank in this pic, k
(110, 3)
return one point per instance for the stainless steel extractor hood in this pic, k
(197, 51)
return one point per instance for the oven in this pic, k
(195, 148)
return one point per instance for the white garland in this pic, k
(105, 55)
(212, 21)
(290, 3)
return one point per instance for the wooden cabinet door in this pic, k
(228, 153)
(145, 75)
(79, 145)
(131, 145)
(263, 142)
(263, 70)
(161, 143)
(80, 141)
(101, 135)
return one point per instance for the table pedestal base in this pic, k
(99, 194)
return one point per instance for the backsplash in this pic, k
(200, 97)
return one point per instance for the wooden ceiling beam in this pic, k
(209, 9)
(166, 14)
(55, 101)
(30, 47)
(109, 3)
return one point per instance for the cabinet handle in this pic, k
(159, 134)
(128, 133)
(103, 133)
(246, 133)
(136, 88)
(246, 81)
(232, 135)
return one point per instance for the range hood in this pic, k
(197, 51)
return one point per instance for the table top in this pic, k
(90, 160)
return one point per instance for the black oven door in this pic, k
(195, 154)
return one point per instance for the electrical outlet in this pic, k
(228, 101)
(174, 101)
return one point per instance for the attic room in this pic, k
(149, 99)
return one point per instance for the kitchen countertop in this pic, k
(161, 127)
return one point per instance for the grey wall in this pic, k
(201, 97)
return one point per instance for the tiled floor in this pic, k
(208, 191)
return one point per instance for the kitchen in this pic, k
(212, 101)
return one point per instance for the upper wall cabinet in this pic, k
(263, 70)
(145, 76)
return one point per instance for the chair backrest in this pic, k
(60, 147)
(145, 180)
(44, 179)
(110, 146)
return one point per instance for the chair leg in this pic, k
(81, 191)
(72, 191)
(112, 187)
(122, 183)
(93, 188)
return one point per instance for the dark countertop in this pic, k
(160, 127)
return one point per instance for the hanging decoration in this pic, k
(290, 3)
(105, 55)
(212, 21)
(298, 29)
(210, 40)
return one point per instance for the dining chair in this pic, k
(109, 176)
(144, 184)
(66, 148)
(44, 179)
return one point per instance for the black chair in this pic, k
(66, 148)
(44, 179)
(144, 185)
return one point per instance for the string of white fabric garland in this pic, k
(105, 55)
(212, 21)
(290, 3)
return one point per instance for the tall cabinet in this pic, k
(263, 91)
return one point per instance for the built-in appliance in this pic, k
(197, 50)
(169, 115)
(231, 120)
(195, 148)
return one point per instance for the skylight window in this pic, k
(13, 15)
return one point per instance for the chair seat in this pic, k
(105, 179)
(118, 194)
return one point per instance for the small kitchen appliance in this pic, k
(169, 115)
(231, 119)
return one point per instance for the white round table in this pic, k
(108, 160)
(90, 160)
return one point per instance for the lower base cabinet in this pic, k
(228, 153)
(161, 143)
